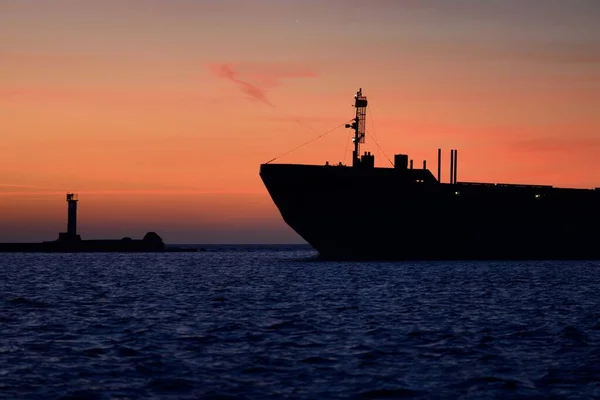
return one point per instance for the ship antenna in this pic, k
(360, 103)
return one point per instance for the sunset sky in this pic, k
(159, 113)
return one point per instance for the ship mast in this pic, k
(360, 103)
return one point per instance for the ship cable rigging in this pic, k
(365, 132)
(347, 146)
(372, 127)
(374, 136)
(305, 143)
(379, 147)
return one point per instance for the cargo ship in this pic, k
(405, 212)
(71, 242)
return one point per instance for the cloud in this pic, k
(111, 97)
(170, 192)
(566, 53)
(258, 78)
(557, 145)
(14, 186)
(225, 71)
(304, 119)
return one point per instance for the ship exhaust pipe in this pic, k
(455, 165)
(451, 166)
(440, 165)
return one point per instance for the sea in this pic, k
(271, 322)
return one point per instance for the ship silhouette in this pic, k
(363, 212)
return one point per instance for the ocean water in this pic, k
(271, 322)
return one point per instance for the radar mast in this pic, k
(360, 103)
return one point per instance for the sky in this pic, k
(158, 113)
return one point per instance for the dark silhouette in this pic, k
(363, 212)
(71, 242)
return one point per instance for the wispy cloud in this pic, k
(109, 192)
(557, 145)
(103, 96)
(23, 187)
(226, 71)
(573, 52)
(304, 119)
(258, 78)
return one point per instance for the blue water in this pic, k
(266, 322)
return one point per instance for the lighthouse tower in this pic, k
(71, 234)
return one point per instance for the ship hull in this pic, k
(378, 214)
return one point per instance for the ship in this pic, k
(71, 242)
(405, 212)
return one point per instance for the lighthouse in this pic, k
(71, 233)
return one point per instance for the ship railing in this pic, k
(517, 185)
(506, 185)
(475, 184)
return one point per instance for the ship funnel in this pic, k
(451, 165)
(440, 165)
(455, 164)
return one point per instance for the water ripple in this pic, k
(271, 323)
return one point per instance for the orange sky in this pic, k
(158, 113)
